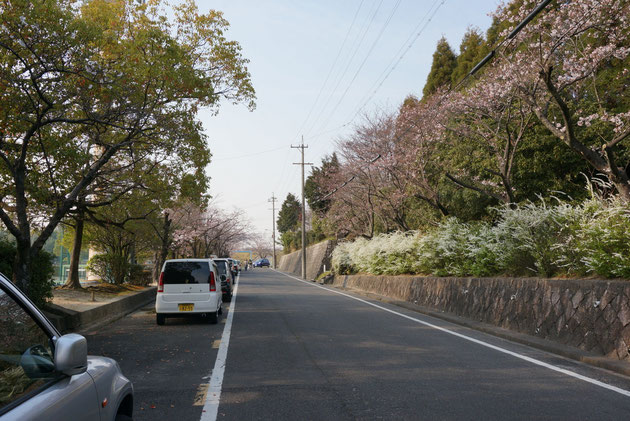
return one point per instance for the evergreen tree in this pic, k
(492, 35)
(444, 62)
(469, 52)
(289, 215)
(317, 184)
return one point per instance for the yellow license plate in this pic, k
(186, 307)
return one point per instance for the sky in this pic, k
(317, 66)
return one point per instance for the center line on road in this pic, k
(477, 341)
(213, 396)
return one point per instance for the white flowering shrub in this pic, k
(527, 234)
(599, 240)
(391, 254)
(341, 261)
(535, 238)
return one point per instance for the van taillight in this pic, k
(161, 283)
(213, 284)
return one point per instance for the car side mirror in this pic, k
(71, 354)
(37, 363)
(223, 278)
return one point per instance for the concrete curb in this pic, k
(67, 320)
(620, 367)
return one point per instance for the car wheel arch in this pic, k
(125, 409)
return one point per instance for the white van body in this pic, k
(189, 287)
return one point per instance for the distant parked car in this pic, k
(48, 376)
(225, 275)
(233, 266)
(188, 287)
(261, 263)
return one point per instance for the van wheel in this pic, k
(221, 308)
(160, 319)
(214, 317)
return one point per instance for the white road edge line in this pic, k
(477, 341)
(211, 406)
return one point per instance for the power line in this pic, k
(374, 43)
(282, 180)
(398, 57)
(229, 158)
(474, 70)
(332, 67)
(355, 47)
(360, 38)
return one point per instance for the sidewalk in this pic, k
(80, 310)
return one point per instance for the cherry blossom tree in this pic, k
(384, 189)
(202, 231)
(421, 135)
(557, 64)
(488, 124)
(261, 246)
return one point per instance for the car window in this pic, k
(186, 273)
(26, 355)
(221, 268)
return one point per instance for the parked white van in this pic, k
(188, 287)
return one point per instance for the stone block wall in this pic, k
(593, 315)
(317, 256)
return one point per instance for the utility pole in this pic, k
(302, 147)
(273, 234)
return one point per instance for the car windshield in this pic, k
(186, 273)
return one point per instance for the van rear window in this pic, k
(186, 273)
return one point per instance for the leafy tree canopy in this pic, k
(92, 90)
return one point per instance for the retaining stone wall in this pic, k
(317, 256)
(66, 320)
(593, 315)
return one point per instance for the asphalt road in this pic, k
(297, 352)
(169, 365)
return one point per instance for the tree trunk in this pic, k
(166, 242)
(21, 272)
(22, 234)
(132, 251)
(73, 275)
(624, 191)
(156, 266)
